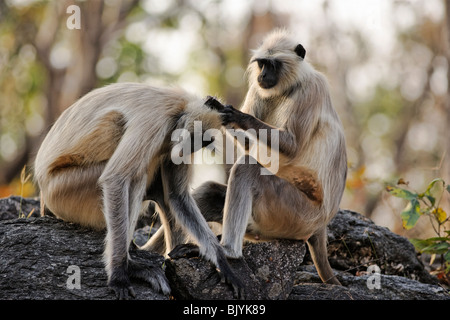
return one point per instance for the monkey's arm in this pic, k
(286, 140)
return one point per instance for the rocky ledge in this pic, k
(46, 258)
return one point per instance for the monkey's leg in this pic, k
(154, 276)
(188, 215)
(116, 197)
(137, 190)
(238, 205)
(122, 199)
(185, 210)
(157, 242)
(72, 194)
(122, 205)
(155, 193)
(169, 234)
(317, 244)
(271, 207)
(210, 198)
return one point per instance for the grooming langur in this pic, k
(288, 97)
(109, 152)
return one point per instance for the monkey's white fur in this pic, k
(305, 194)
(115, 132)
(99, 160)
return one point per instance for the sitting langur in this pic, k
(109, 152)
(286, 97)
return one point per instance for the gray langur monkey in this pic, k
(289, 97)
(108, 153)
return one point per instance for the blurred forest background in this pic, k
(387, 63)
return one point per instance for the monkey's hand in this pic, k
(232, 116)
(186, 250)
(228, 114)
(229, 277)
(214, 104)
(226, 274)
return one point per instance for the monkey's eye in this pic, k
(260, 64)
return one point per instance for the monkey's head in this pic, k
(276, 66)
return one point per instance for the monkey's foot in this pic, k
(228, 276)
(188, 250)
(123, 292)
(152, 275)
(120, 284)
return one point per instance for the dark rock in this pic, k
(372, 286)
(394, 288)
(320, 291)
(355, 242)
(37, 255)
(17, 207)
(267, 272)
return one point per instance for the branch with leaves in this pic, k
(427, 204)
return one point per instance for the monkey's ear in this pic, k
(300, 51)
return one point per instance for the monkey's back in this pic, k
(90, 136)
(89, 131)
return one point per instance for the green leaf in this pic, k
(401, 193)
(438, 248)
(428, 191)
(437, 245)
(447, 256)
(432, 183)
(411, 214)
(420, 244)
(438, 239)
(431, 198)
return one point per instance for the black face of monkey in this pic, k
(270, 69)
(270, 72)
